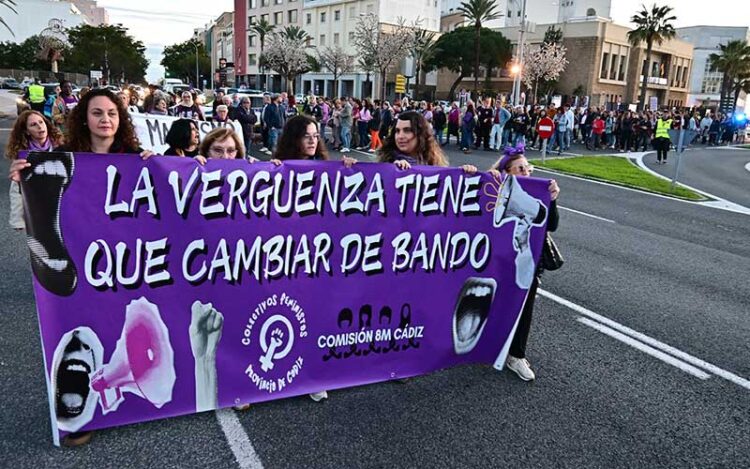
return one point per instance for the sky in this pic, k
(166, 22)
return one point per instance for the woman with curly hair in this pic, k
(99, 124)
(32, 131)
(412, 142)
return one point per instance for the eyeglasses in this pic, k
(220, 152)
(311, 138)
(523, 168)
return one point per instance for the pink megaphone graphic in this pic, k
(142, 363)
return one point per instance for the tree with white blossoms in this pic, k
(337, 61)
(383, 44)
(286, 54)
(543, 64)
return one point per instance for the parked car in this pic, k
(10, 83)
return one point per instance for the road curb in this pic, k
(717, 202)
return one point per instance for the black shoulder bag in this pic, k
(551, 259)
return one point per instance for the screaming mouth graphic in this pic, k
(77, 356)
(43, 186)
(472, 310)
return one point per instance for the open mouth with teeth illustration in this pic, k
(43, 185)
(78, 355)
(472, 309)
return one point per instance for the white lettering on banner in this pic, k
(366, 336)
(152, 130)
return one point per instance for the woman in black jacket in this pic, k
(517, 165)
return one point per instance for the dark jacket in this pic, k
(272, 117)
(247, 119)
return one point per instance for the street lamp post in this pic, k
(197, 76)
(521, 40)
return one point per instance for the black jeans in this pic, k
(518, 346)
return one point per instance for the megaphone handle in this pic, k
(103, 396)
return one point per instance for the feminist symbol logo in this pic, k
(272, 350)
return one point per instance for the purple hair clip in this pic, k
(509, 152)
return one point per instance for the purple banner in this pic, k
(166, 288)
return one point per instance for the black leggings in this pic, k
(518, 346)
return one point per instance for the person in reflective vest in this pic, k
(661, 137)
(36, 96)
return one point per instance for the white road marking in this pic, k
(738, 380)
(747, 166)
(586, 214)
(5, 130)
(645, 348)
(238, 440)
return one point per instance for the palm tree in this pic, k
(9, 4)
(733, 63)
(262, 28)
(422, 50)
(477, 11)
(653, 26)
(295, 33)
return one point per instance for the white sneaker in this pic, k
(319, 396)
(370, 151)
(521, 367)
(267, 151)
(345, 150)
(264, 149)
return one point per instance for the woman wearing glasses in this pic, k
(514, 163)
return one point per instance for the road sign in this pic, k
(545, 127)
(400, 84)
(96, 75)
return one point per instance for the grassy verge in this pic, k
(617, 171)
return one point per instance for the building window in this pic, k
(308, 18)
(322, 16)
(278, 17)
(351, 37)
(251, 41)
(605, 66)
(352, 13)
(252, 59)
(613, 67)
(251, 20)
(337, 15)
(335, 39)
(322, 40)
(253, 3)
(265, 3)
(278, 2)
(264, 17)
(621, 71)
(291, 16)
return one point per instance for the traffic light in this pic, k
(400, 83)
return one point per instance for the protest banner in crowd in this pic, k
(152, 129)
(166, 288)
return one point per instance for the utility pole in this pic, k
(197, 76)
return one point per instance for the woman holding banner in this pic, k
(300, 140)
(412, 142)
(32, 131)
(99, 124)
(514, 163)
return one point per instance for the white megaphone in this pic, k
(142, 363)
(515, 205)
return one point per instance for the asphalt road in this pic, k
(674, 271)
(720, 171)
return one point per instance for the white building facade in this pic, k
(705, 82)
(540, 11)
(333, 23)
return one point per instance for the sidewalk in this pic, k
(8, 104)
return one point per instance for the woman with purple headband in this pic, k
(514, 163)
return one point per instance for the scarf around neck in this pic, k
(46, 146)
